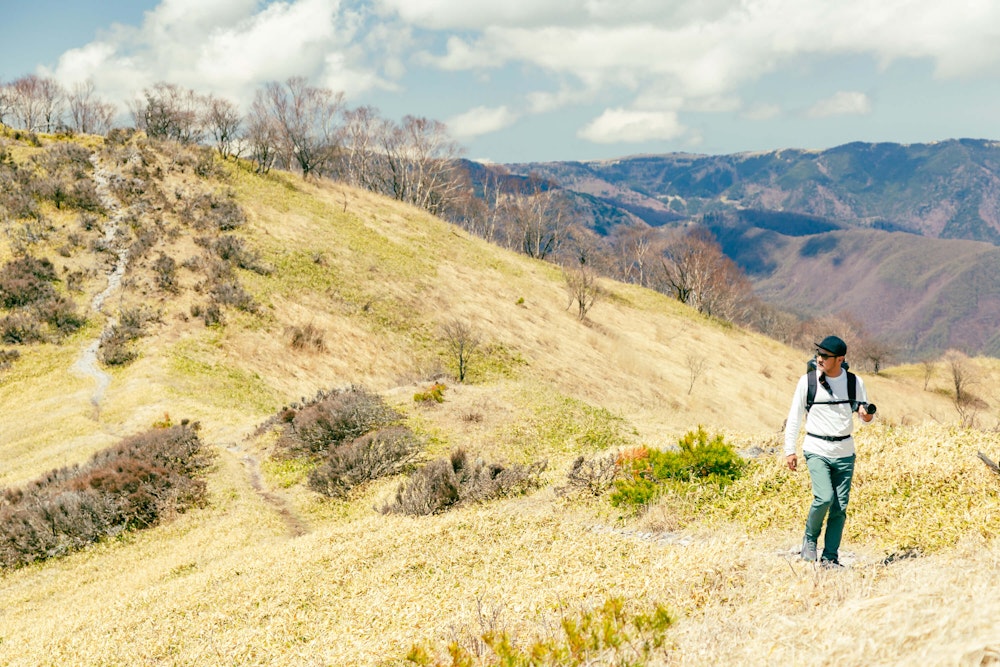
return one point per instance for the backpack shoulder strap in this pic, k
(810, 389)
(852, 390)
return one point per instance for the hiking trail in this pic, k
(87, 363)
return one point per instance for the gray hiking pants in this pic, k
(831, 483)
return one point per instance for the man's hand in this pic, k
(793, 461)
(863, 413)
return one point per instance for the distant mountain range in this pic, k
(903, 237)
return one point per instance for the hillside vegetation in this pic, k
(244, 300)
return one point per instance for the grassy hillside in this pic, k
(269, 572)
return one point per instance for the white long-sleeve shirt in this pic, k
(832, 420)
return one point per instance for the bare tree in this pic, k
(26, 103)
(696, 272)
(537, 218)
(581, 284)
(362, 161)
(306, 117)
(223, 120)
(928, 372)
(635, 249)
(963, 377)
(52, 102)
(262, 135)
(696, 366)
(167, 111)
(428, 158)
(88, 114)
(463, 341)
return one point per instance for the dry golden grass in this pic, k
(272, 574)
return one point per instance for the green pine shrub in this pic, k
(698, 459)
(433, 394)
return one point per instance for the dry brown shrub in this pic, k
(372, 456)
(444, 483)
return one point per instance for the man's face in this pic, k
(828, 363)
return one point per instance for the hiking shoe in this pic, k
(830, 563)
(808, 549)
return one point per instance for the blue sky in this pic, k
(535, 80)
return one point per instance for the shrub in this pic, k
(697, 459)
(593, 477)
(20, 329)
(233, 249)
(26, 280)
(604, 636)
(214, 211)
(60, 313)
(165, 272)
(444, 483)
(135, 484)
(210, 314)
(307, 337)
(115, 348)
(7, 358)
(231, 293)
(333, 418)
(433, 394)
(373, 455)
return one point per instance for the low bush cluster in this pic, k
(605, 636)
(333, 418)
(381, 453)
(37, 309)
(115, 348)
(135, 484)
(352, 433)
(216, 211)
(594, 477)
(445, 483)
(697, 459)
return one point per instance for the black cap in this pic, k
(833, 345)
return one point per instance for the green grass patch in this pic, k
(561, 425)
(217, 383)
(287, 472)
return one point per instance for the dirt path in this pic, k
(87, 364)
(293, 522)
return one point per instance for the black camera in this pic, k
(870, 408)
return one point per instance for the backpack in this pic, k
(852, 386)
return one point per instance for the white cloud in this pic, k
(624, 125)
(230, 47)
(843, 103)
(480, 120)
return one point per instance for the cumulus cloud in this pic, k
(623, 125)
(230, 47)
(480, 120)
(843, 103)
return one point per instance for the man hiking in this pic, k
(827, 397)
